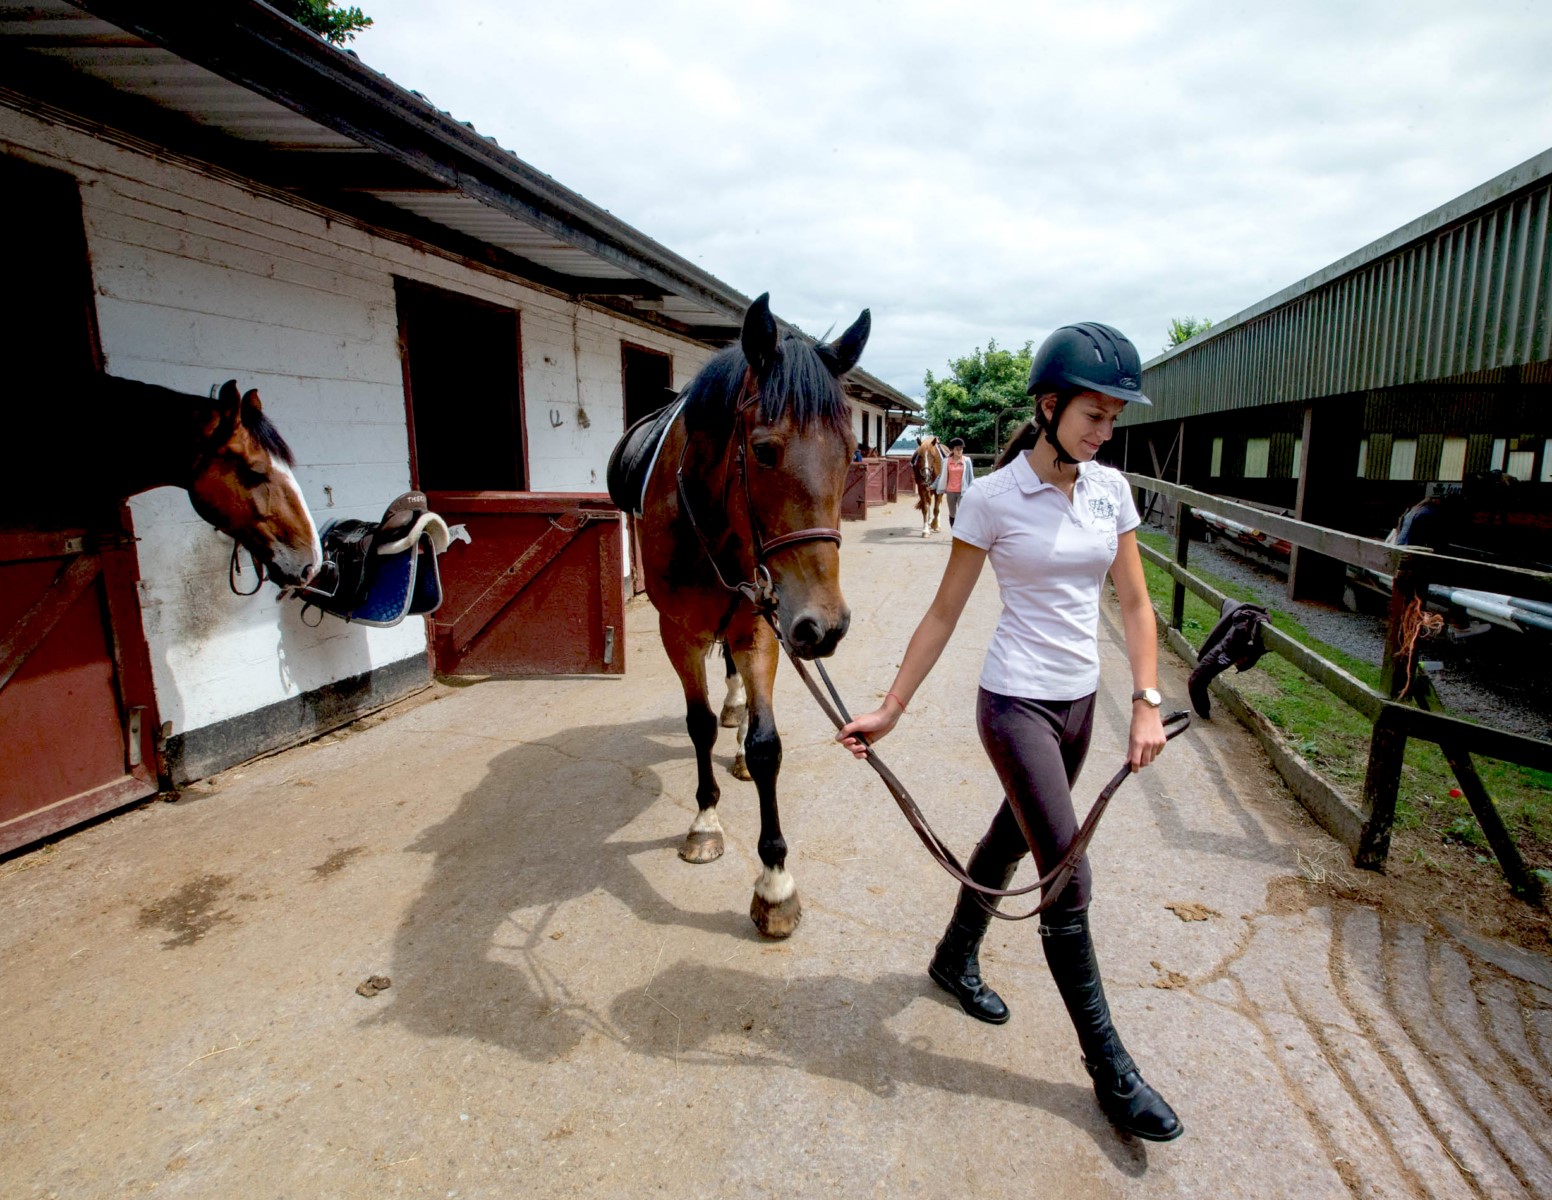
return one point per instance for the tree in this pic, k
(1182, 329)
(336, 25)
(980, 388)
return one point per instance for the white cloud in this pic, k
(993, 171)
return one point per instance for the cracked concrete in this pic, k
(573, 1011)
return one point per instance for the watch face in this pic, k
(1149, 696)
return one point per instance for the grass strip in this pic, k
(1334, 739)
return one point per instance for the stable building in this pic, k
(195, 200)
(1420, 364)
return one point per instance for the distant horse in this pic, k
(926, 466)
(108, 439)
(740, 514)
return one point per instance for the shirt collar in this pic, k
(1029, 482)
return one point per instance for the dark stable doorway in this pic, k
(649, 380)
(462, 363)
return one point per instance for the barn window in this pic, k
(1258, 452)
(1363, 458)
(1217, 457)
(1403, 458)
(1298, 457)
(1546, 461)
(1452, 460)
(463, 377)
(1522, 464)
(1496, 463)
(648, 380)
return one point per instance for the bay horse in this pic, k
(111, 438)
(926, 466)
(740, 516)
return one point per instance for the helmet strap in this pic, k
(1048, 428)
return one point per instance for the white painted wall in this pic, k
(199, 280)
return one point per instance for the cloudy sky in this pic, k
(993, 170)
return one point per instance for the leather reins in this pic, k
(1054, 880)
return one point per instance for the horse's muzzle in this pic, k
(811, 636)
(288, 566)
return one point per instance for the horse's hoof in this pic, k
(740, 769)
(776, 920)
(702, 846)
(732, 716)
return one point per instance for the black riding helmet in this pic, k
(1086, 357)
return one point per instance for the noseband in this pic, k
(758, 590)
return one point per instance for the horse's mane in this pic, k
(256, 422)
(798, 382)
(148, 400)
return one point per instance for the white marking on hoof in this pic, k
(734, 706)
(740, 769)
(706, 821)
(774, 885)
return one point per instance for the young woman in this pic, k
(955, 478)
(1053, 523)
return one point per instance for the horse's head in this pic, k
(243, 485)
(927, 462)
(797, 442)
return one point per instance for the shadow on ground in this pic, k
(480, 953)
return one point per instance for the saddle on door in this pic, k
(379, 572)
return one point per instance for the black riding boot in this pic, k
(956, 965)
(1129, 1103)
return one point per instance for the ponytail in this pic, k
(1024, 438)
(1027, 434)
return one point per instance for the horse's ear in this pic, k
(250, 400)
(758, 339)
(842, 354)
(225, 412)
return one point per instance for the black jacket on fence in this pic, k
(1235, 641)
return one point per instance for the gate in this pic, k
(77, 710)
(539, 591)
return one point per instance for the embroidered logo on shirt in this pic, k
(1102, 508)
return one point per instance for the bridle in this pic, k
(759, 590)
(922, 469)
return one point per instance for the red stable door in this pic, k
(77, 711)
(539, 590)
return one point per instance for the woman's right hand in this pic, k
(874, 725)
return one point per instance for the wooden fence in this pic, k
(1404, 705)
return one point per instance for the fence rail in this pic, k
(1365, 828)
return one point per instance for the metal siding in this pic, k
(1471, 293)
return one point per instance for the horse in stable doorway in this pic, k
(104, 439)
(740, 511)
(926, 466)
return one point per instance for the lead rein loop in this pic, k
(1054, 880)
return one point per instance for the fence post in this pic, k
(1387, 745)
(1177, 602)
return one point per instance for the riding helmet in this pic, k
(1090, 357)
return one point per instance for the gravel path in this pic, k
(1498, 677)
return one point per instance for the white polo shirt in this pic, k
(1050, 557)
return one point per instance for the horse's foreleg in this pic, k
(775, 908)
(704, 842)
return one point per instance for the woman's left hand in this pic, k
(1147, 737)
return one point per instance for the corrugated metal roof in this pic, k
(1464, 289)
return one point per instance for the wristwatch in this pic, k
(1149, 696)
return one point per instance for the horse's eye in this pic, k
(248, 477)
(766, 453)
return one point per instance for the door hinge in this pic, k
(132, 735)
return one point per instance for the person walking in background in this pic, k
(1053, 523)
(955, 478)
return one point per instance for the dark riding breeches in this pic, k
(1037, 748)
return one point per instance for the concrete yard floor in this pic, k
(573, 1011)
